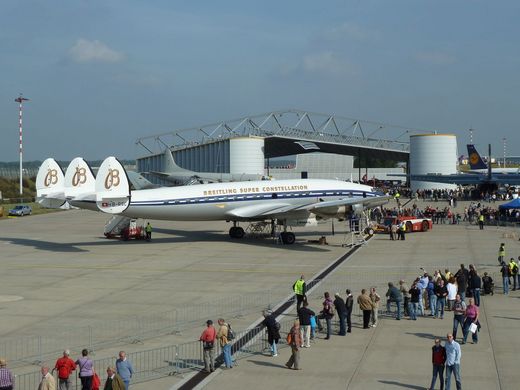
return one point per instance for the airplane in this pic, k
(477, 164)
(177, 175)
(486, 182)
(299, 202)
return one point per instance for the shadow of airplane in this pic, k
(180, 236)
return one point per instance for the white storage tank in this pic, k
(246, 155)
(432, 153)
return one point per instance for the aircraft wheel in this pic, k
(236, 232)
(232, 231)
(239, 232)
(288, 238)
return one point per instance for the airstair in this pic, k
(116, 225)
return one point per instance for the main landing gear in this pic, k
(236, 232)
(287, 238)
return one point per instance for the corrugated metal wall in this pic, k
(213, 157)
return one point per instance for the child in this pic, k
(313, 326)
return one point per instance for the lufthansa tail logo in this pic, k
(51, 177)
(112, 179)
(473, 158)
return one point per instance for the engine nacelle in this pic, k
(311, 221)
(341, 212)
(357, 210)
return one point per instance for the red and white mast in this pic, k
(20, 99)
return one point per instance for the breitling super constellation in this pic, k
(290, 202)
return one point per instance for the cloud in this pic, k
(349, 31)
(93, 51)
(435, 57)
(326, 62)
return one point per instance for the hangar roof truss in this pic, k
(306, 129)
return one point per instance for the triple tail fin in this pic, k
(112, 187)
(50, 185)
(80, 182)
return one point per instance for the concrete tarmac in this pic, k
(397, 354)
(58, 271)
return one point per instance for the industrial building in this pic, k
(246, 146)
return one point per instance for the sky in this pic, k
(101, 73)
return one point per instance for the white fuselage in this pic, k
(217, 201)
(497, 170)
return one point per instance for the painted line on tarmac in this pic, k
(491, 343)
(135, 269)
(196, 380)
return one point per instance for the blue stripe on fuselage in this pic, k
(255, 196)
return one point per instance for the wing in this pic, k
(287, 210)
(260, 211)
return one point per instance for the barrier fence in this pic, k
(171, 360)
(36, 349)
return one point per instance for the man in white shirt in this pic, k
(453, 355)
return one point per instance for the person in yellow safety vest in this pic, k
(513, 271)
(402, 229)
(397, 196)
(481, 221)
(148, 230)
(299, 291)
(501, 253)
(447, 275)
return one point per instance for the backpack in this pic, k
(230, 333)
(331, 310)
(289, 338)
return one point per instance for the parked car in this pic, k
(21, 210)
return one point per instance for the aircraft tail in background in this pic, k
(474, 159)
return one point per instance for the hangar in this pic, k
(245, 145)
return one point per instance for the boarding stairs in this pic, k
(116, 225)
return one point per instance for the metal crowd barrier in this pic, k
(171, 360)
(36, 349)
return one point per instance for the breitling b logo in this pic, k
(80, 177)
(51, 177)
(112, 179)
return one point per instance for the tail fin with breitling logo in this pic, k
(50, 185)
(80, 183)
(112, 187)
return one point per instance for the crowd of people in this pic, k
(429, 295)
(465, 193)
(118, 376)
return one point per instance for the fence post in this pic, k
(177, 370)
(40, 352)
(90, 338)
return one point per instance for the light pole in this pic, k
(20, 99)
(504, 141)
